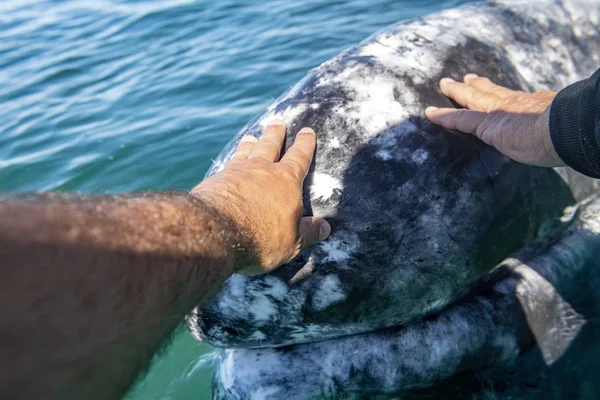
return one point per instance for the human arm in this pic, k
(91, 286)
(542, 128)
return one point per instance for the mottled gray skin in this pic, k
(546, 306)
(419, 214)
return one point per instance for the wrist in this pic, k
(542, 127)
(237, 244)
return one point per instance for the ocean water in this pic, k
(106, 96)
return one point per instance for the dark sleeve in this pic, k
(575, 125)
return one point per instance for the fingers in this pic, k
(269, 145)
(244, 149)
(485, 85)
(313, 230)
(300, 155)
(467, 121)
(469, 96)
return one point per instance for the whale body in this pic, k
(400, 297)
(419, 214)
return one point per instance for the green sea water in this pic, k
(106, 96)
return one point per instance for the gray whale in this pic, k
(401, 296)
(419, 214)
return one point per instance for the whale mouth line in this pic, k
(501, 271)
(478, 285)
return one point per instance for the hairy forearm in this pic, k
(92, 286)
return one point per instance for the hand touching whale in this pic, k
(514, 122)
(254, 176)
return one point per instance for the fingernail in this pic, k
(470, 76)
(306, 130)
(444, 81)
(430, 109)
(324, 230)
(248, 138)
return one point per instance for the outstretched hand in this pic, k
(263, 194)
(515, 123)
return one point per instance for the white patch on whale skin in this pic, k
(435, 222)
(311, 331)
(257, 335)
(393, 59)
(328, 293)
(403, 50)
(276, 288)
(243, 298)
(231, 300)
(334, 250)
(419, 156)
(262, 309)
(389, 139)
(289, 115)
(237, 284)
(240, 371)
(323, 186)
(379, 101)
(388, 55)
(389, 143)
(374, 105)
(226, 370)
(383, 155)
(334, 143)
(339, 248)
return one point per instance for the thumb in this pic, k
(312, 230)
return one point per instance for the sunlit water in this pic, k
(106, 96)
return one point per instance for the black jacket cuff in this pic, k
(574, 125)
